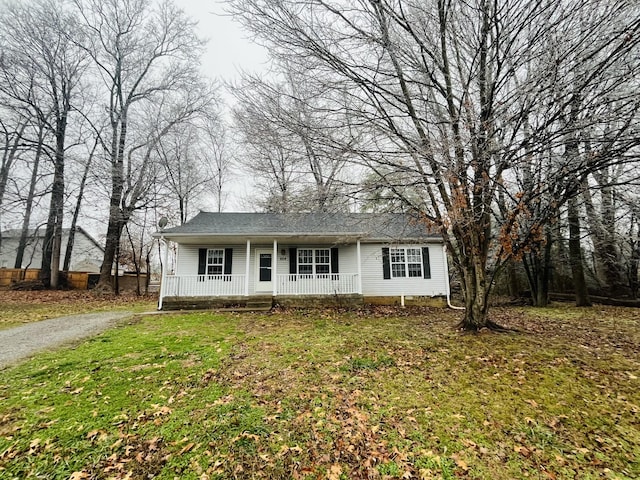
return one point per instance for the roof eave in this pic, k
(353, 235)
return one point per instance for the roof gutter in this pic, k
(355, 235)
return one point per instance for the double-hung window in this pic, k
(405, 262)
(314, 261)
(215, 261)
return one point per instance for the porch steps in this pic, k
(261, 303)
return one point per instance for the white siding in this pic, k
(373, 283)
(86, 255)
(187, 258)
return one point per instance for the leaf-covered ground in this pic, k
(18, 307)
(380, 393)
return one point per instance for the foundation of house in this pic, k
(266, 302)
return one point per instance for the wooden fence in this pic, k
(13, 275)
(75, 280)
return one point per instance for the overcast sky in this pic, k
(229, 49)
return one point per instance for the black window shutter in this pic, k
(386, 264)
(293, 260)
(426, 266)
(334, 261)
(228, 259)
(202, 261)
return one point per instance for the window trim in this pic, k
(314, 264)
(203, 263)
(407, 266)
(221, 264)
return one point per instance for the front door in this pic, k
(265, 274)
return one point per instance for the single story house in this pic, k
(301, 259)
(86, 256)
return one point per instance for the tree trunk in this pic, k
(544, 273)
(575, 255)
(116, 216)
(475, 299)
(74, 221)
(136, 264)
(513, 285)
(538, 268)
(24, 233)
(541, 297)
(474, 276)
(114, 230)
(53, 234)
(635, 256)
(602, 230)
(147, 279)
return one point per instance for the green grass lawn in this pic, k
(327, 395)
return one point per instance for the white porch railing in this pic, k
(204, 285)
(324, 284)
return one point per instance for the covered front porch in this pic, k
(238, 273)
(236, 285)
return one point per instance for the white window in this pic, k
(215, 261)
(314, 261)
(405, 262)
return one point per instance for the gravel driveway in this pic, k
(21, 342)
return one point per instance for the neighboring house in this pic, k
(295, 259)
(86, 256)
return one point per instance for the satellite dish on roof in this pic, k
(163, 222)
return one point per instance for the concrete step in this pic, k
(260, 305)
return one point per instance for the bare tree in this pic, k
(215, 151)
(35, 174)
(186, 175)
(12, 135)
(42, 73)
(78, 204)
(266, 151)
(144, 53)
(458, 94)
(296, 140)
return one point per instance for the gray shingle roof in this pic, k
(364, 225)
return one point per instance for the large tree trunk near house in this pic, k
(114, 232)
(476, 281)
(475, 290)
(575, 255)
(50, 268)
(51, 242)
(116, 218)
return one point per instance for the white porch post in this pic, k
(359, 261)
(274, 267)
(246, 269)
(165, 266)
